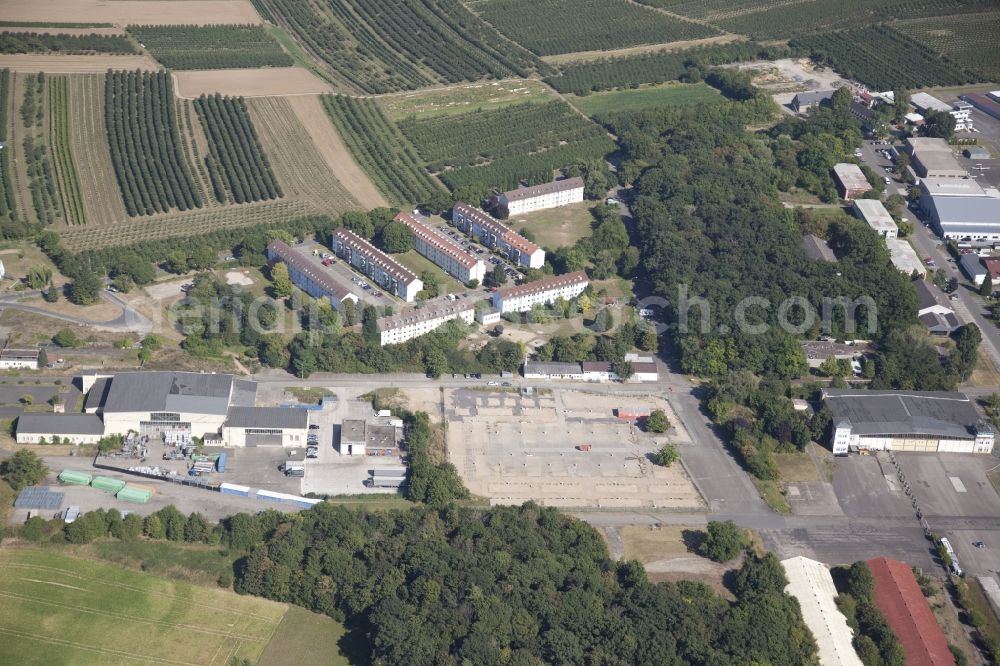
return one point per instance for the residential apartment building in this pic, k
(446, 253)
(851, 181)
(539, 197)
(377, 265)
(522, 298)
(494, 234)
(307, 276)
(413, 323)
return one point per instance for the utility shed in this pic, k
(900, 600)
(810, 582)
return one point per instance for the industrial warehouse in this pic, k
(927, 421)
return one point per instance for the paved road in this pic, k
(129, 320)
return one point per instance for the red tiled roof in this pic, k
(900, 600)
(374, 255)
(545, 284)
(993, 266)
(545, 188)
(497, 228)
(441, 243)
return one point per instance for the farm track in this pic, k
(295, 159)
(331, 146)
(89, 146)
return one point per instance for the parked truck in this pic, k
(293, 469)
(385, 482)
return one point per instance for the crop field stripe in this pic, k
(211, 47)
(49, 640)
(59, 141)
(32, 42)
(91, 153)
(190, 149)
(8, 203)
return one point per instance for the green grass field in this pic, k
(418, 264)
(64, 610)
(557, 227)
(638, 99)
(463, 98)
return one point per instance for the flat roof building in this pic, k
(266, 426)
(960, 111)
(951, 187)
(933, 158)
(444, 252)
(307, 276)
(36, 427)
(851, 181)
(494, 234)
(553, 370)
(972, 219)
(375, 264)
(904, 257)
(19, 358)
(410, 324)
(539, 197)
(927, 421)
(522, 298)
(899, 599)
(878, 218)
(811, 584)
(988, 103)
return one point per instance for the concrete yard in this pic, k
(513, 448)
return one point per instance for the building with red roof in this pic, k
(900, 600)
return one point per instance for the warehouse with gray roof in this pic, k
(970, 219)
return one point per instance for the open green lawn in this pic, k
(418, 264)
(304, 637)
(557, 227)
(668, 94)
(463, 98)
(63, 610)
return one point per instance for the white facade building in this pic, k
(11, 359)
(308, 277)
(37, 427)
(960, 111)
(287, 427)
(413, 323)
(876, 216)
(923, 421)
(443, 251)
(377, 265)
(812, 585)
(539, 197)
(524, 297)
(494, 234)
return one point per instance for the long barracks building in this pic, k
(377, 265)
(494, 234)
(444, 252)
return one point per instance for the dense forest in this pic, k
(512, 585)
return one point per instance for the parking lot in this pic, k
(491, 258)
(346, 276)
(513, 448)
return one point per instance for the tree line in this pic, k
(33, 42)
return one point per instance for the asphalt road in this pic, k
(129, 320)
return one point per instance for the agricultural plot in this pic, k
(36, 154)
(550, 27)
(713, 9)
(145, 144)
(883, 59)
(623, 101)
(968, 39)
(647, 67)
(236, 164)
(33, 42)
(379, 46)
(380, 149)
(781, 20)
(30, 63)
(474, 138)
(87, 13)
(102, 200)
(60, 143)
(214, 47)
(483, 96)
(8, 203)
(296, 161)
(59, 609)
(268, 81)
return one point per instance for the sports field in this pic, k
(62, 610)
(671, 94)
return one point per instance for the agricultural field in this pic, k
(883, 59)
(91, 153)
(8, 203)
(463, 98)
(550, 27)
(635, 70)
(33, 42)
(60, 143)
(295, 156)
(60, 609)
(708, 10)
(768, 19)
(378, 46)
(145, 144)
(93, 13)
(269, 81)
(211, 47)
(380, 149)
(473, 138)
(968, 39)
(237, 165)
(654, 97)
(31, 63)
(36, 152)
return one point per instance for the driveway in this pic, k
(130, 320)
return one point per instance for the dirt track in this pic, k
(126, 12)
(74, 64)
(265, 82)
(310, 113)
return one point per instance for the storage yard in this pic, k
(562, 448)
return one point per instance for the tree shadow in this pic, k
(693, 539)
(355, 646)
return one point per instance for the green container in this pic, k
(134, 495)
(212, 457)
(75, 478)
(105, 483)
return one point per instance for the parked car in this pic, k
(492, 384)
(314, 426)
(328, 262)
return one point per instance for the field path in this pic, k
(310, 113)
(89, 147)
(74, 64)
